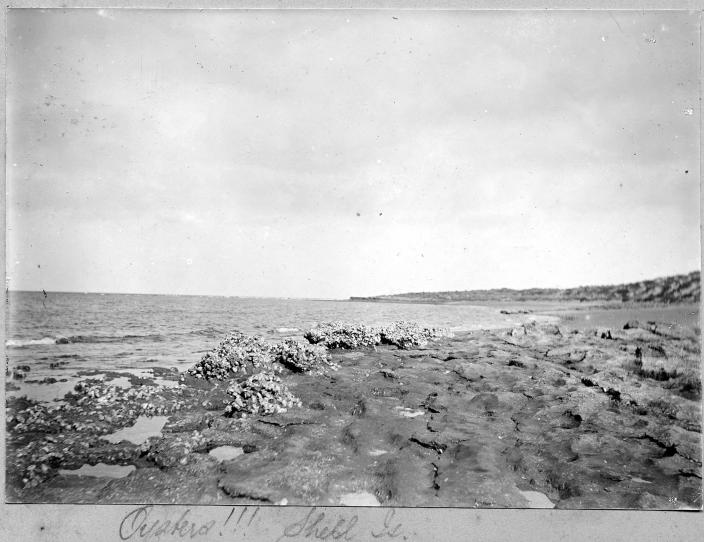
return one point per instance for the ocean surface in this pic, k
(67, 334)
(123, 332)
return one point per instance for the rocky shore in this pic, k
(660, 291)
(536, 415)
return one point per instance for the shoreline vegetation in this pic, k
(393, 415)
(675, 289)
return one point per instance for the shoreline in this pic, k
(487, 418)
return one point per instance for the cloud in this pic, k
(266, 133)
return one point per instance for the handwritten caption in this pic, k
(149, 523)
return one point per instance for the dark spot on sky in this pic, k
(380, 213)
(359, 214)
(686, 171)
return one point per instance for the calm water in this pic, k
(134, 333)
(123, 332)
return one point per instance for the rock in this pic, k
(603, 333)
(172, 451)
(456, 424)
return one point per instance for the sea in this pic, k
(65, 336)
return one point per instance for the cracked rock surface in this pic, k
(477, 420)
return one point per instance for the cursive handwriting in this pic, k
(388, 530)
(316, 525)
(138, 524)
(144, 523)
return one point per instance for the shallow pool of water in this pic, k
(408, 413)
(101, 470)
(43, 393)
(377, 452)
(224, 453)
(144, 428)
(639, 480)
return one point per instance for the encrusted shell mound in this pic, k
(352, 335)
(237, 353)
(262, 393)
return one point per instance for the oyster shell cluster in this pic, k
(236, 353)
(70, 429)
(304, 358)
(262, 393)
(248, 363)
(243, 355)
(407, 335)
(343, 335)
(350, 335)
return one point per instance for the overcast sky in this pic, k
(337, 153)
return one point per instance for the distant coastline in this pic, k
(673, 289)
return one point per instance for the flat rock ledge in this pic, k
(597, 419)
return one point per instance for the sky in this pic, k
(329, 154)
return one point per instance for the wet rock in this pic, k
(603, 333)
(569, 420)
(456, 424)
(632, 324)
(189, 422)
(432, 404)
(164, 372)
(359, 408)
(406, 478)
(484, 403)
(176, 450)
(47, 380)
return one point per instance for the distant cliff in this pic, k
(673, 289)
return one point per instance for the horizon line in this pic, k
(8, 290)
